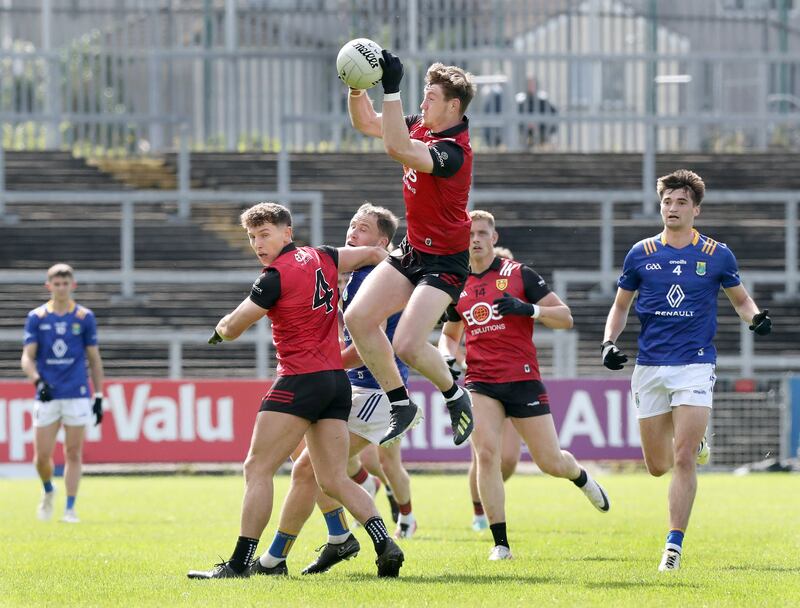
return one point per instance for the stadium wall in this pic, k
(180, 421)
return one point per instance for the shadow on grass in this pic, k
(460, 579)
(639, 584)
(763, 568)
(600, 558)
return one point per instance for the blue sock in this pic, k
(675, 540)
(70, 502)
(48, 486)
(337, 525)
(281, 545)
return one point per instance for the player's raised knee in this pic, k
(657, 469)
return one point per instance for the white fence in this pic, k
(621, 76)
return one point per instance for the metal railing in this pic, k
(635, 76)
(607, 199)
(746, 362)
(128, 276)
(260, 334)
(563, 344)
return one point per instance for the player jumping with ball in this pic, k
(429, 269)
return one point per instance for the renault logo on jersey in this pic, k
(700, 269)
(501, 284)
(59, 348)
(675, 296)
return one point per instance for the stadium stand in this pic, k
(548, 236)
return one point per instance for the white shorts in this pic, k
(369, 416)
(71, 412)
(658, 388)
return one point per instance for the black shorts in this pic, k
(446, 272)
(311, 396)
(523, 399)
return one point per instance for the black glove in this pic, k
(762, 324)
(509, 305)
(613, 358)
(454, 367)
(215, 339)
(44, 392)
(392, 72)
(97, 410)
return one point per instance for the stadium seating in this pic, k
(548, 236)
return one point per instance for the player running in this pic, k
(678, 274)
(429, 269)
(497, 308)
(311, 397)
(60, 337)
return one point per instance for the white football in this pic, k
(357, 63)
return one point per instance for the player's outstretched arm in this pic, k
(362, 115)
(353, 258)
(233, 325)
(746, 308)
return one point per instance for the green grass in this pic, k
(140, 535)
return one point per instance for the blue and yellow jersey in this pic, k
(361, 376)
(61, 347)
(677, 303)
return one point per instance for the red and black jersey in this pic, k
(299, 291)
(436, 203)
(499, 349)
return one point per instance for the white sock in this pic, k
(270, 561)
(406, 519)
(337, 539)
(370, 485)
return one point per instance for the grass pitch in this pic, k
(140, 535)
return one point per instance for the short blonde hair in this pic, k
(60, 270)
(479, 214)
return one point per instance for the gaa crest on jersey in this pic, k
(700, 269)
(501, 284)
(76, 329)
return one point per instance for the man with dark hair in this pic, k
(497, 309)
(677, 274)
(311, 397)
(429, 270)
(60, 338)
